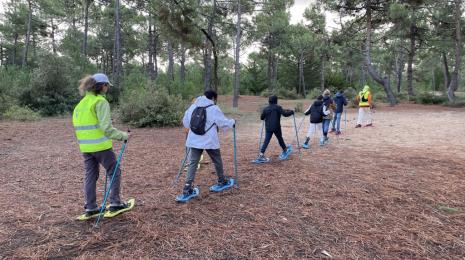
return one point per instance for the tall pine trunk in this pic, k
(373, 73)
(322, 72)
(182, 72)
(445, 71)
(454, 83)
(52, 35)
(170, 60)
(411, 55)
(237, 64)
(150, 47)
(209, 44)
(117, 62)
(86, 26)
(15, 48)
(399, 70)
(28, 34)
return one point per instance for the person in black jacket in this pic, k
(272, 116)
(340, 101)
(317, 111)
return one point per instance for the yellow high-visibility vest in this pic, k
(90, 136)
(363, 97)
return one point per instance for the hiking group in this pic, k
(203, 119)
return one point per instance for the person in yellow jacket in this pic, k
(95, 132)
(365, 105)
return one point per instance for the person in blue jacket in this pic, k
(340, 101)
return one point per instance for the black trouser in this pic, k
(268, 136)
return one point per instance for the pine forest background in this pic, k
(160, 54)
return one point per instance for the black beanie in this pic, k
(320, 97)
(273, 99)
(210, 94)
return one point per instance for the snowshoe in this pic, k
(114, 211)
(221, 187)
(185, 197)
(322, 141)
(306, 146)
(261, 160)
(89, 215)
(285, 154)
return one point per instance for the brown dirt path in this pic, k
(371, 193)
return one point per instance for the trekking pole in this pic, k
(261, 135)
(300, 125)
(345, 120)
(183, 163)
(235, 156)
(297, 135)
(102, 208)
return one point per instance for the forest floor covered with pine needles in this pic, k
(392, 191)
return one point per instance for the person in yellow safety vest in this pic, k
(94, 132)
(365, 105)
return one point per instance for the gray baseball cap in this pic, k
(101, 78)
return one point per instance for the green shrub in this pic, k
(13, 81)
(267, 93)
(380, 97)
(427, 98)
(149, 107)
(18, 113)
(287, 94)
(51, 92)
(314, 93)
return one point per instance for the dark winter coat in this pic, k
(272, 116)
(340, 101)
(316, 112)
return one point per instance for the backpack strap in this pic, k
(206, 112)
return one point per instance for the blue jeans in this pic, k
(336, 126)
(326, 123)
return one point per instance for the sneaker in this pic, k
(332, 130)
(322, 141)
(89, 214)
(114, 208)
(370, 124)
(285, 154)
(224, 185)
(306, 146)
(358, 126)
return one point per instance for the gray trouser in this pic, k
(195, 154)
(91, 163)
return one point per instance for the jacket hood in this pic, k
(318, 103)
(273, 100)
(366, 88)
(203, 101)
(339, 94)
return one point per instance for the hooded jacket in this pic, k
(215, 116)
(272, 115)
(317, 111)
(340, 101)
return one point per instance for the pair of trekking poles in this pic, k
(106, 192)
(188, 150)
(297, 129)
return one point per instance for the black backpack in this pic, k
(199, 120)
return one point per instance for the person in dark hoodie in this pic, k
(316, 111)
(340, 101)
(272, 116)
(329, 104)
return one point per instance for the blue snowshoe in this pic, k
(306, 146)
(261, 160)
(223, 186)
(285, 154)
(186, 196)
(322, 141)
